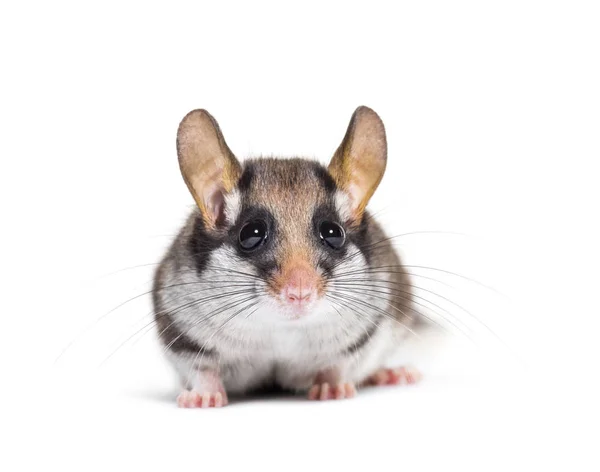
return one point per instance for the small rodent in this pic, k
(280, 277)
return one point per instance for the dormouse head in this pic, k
(294, 225)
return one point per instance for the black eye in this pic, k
(252, 234)
(332, 234)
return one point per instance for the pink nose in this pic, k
(300, 287)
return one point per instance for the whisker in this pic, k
(209, 316)
(384, 269)
(492, 289)
(350, 284)
(367, 290)
(105, 315)
(352, 304)
(151, 323)
(428, 318)
(372, 281)
(176, 310)
(344, 321)
(386, 239)
(358, 315)
(379, 310)
(202, 348)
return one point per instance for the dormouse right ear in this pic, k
(359, 162)
(208, 166)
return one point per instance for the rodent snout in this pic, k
(300, 287)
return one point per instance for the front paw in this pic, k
(194, 399)
(401, 375)
(325, 391)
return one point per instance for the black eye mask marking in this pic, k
(360, 238)
(332, 234)
(253, 234)
(247, 177)
(201, 244)
(328, 255)
(355, 238)
(259, 250)
(325, 219)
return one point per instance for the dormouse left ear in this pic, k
(207, 165)
(359, 163)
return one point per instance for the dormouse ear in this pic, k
(209, 168)
(359, 163)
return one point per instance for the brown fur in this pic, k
(212, 347)
(281, 278)
(288, 189)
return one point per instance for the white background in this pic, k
(493, 115)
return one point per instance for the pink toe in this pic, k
(181, 401)
(218, 400)
(324, 391)
(191, 399)
(205, 400)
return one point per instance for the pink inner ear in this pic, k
(215, 203)
(356, 195)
